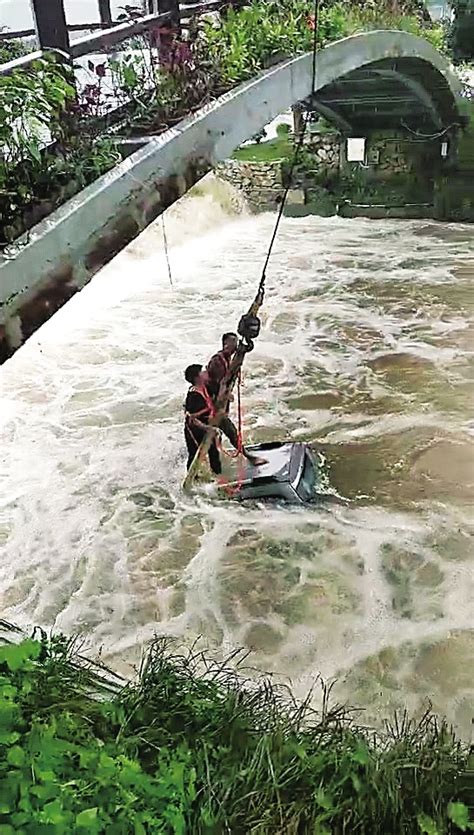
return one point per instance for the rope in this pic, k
(261, 287)
(165, 242)
(236, 364)
(233, 490)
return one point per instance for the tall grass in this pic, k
(193, 747)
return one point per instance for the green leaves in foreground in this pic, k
(182, 753)
(458, 814)
(61, 768)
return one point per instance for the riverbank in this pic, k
(396, 178)
(192, 747)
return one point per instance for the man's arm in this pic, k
(216, 369)
(204, 426)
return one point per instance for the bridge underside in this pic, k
(391, 94)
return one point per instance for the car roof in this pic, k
(278, 457)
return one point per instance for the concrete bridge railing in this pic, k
(55, 259)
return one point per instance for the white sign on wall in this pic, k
(355, 149)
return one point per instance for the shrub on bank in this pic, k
(179, 751)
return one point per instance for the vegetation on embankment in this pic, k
(272, 150)
(281, 147)
(181, 752)
(151, 94)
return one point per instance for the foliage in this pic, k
(461, 34)
(247, 40)
(12, 48)
(32, 102)
(270, 151)
(44, 157)
(66, 765)
(179, 752)
(414, 8)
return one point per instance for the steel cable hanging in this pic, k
(249, 325)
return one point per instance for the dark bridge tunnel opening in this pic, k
(406, 94)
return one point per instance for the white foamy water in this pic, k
(366, 351)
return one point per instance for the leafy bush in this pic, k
(67, 765)
(46, 153)
(246, 40)
(180, 752)
(12, 48)
(32, 102)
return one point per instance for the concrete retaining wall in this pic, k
(46, 266)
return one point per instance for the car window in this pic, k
(308, 480)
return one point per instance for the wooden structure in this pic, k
(53, 32)
(50, 24)
(105, 12)
(52, 29)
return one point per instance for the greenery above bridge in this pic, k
(152, 94)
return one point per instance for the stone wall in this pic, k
(326, 148)
(389, 154)
(259, 182)
(397, 179)
(454, 189)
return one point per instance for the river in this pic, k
(366, 351)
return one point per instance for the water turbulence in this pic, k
(366, 351)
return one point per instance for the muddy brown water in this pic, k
(366, 351)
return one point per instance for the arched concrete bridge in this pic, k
(381, 79)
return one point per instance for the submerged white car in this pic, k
(294, 473)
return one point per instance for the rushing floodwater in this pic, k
(366, 350)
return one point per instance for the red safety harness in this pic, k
(209, 410)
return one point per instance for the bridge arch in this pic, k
(66, 249)
(389, 59)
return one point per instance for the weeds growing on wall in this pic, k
(180, 751)
(52, 145)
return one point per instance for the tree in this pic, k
(461, 36)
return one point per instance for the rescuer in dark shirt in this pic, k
(217, 369)
(199, 407)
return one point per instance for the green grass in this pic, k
(191, 747)
(273, 150)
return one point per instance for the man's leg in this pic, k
(230, 431)
(215, 459)
(192, 447)
(193, 440)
